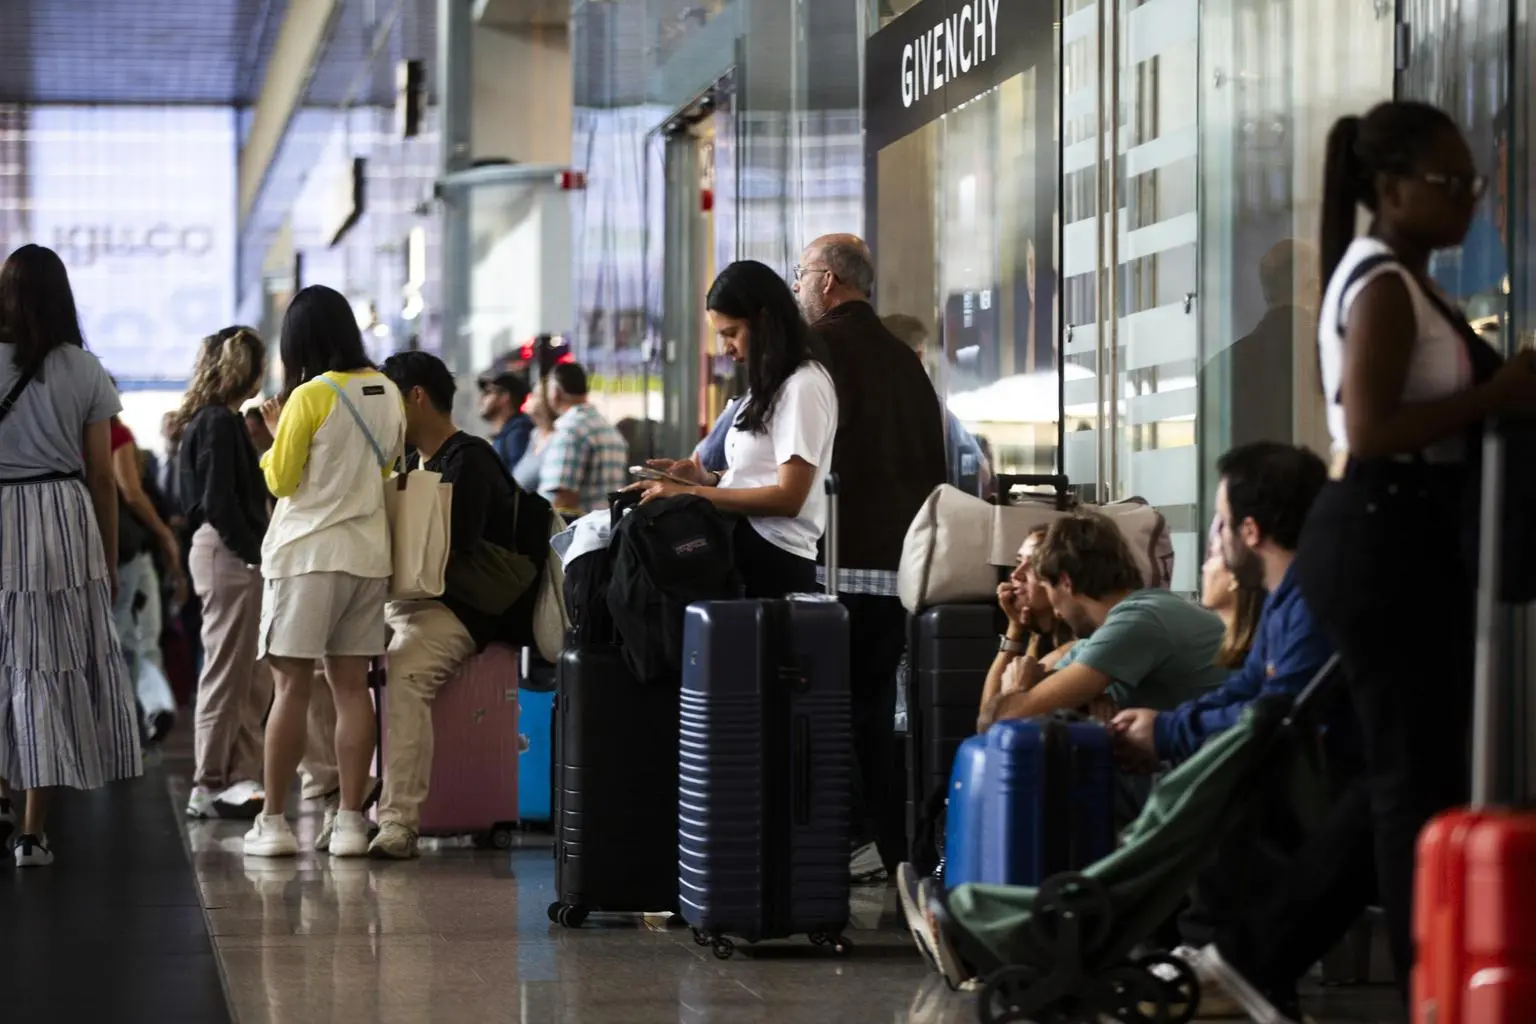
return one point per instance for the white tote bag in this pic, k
(550, 618)
(420, 510)
(419, 507)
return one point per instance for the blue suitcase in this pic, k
(1048, 800)
(535, 789)
(965, 816)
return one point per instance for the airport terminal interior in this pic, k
(1099, 219)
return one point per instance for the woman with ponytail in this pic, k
(226, 508)
(1409, 387)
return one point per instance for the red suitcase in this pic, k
(475, 750)
(1474, 899)
(1475, 919)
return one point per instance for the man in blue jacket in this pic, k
(1262, 501)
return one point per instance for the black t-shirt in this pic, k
(482, 509)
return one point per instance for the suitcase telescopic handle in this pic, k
(830, 546)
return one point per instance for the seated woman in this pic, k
(1036, 639)
(1236, 602)
(779, 450)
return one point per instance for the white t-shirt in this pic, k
(804, 423)
(1438, 366)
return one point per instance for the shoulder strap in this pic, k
(1360, 270)
(9, 401)
(378, 452)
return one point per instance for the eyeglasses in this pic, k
(798, 271)
(1458, 186)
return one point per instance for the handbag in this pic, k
(550, 620)
(419, 507)
(957, 542)
(489, 578)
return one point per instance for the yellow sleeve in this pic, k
(283, 464)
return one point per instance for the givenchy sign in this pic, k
(965, 39)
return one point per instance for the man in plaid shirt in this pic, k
(585, 460)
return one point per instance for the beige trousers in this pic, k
(427, 644)
(318, 774)
(235, 689)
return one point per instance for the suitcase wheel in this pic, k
(500, 837)
(567, 916)
(840, 944)
(1181, 987)
(724, 949)
(699, 938)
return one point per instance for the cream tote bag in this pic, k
(419, 507)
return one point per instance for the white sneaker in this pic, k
(349, 836)
(949, 962)
(907, 882)
(270, 836)
(200, 803)
(242, 800)
(327, 829)
(394, 842)
(33, 852)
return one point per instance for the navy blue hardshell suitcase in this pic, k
(765, 770)
(1048, 800)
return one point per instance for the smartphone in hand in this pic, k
(647, 473)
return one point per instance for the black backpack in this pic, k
(667, 555)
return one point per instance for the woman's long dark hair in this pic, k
(1392, 138)
(779, 341)
(320, 333)
(37, 306)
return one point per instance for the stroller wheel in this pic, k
(1071, 917)
(1180, 985)
(1131, 995)
(1014, 994)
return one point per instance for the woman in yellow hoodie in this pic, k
(326, 557)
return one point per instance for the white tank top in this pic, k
(1437, 367)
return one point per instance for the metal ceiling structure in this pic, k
(136, 51)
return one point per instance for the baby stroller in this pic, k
(1067, 952)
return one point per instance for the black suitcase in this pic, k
(615, 790)
(766, 768)
(950, 648)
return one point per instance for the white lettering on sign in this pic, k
(955, 46)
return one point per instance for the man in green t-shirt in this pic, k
(1137, 648)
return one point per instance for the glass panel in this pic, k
(1275, 76)
(1137, 382)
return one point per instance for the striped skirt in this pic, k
(67, 714)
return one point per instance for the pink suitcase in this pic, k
(475, 750)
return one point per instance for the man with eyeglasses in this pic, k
(889, 456)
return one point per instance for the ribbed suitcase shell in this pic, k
(616, 787)
(1050, 798)
(952, 646)
(966, 815)
(1474, 919)
(474, 749)
(765, 769)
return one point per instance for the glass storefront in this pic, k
(1108, 225)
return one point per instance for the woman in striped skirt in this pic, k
(67, 716)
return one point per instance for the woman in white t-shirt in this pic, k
(1408, 386)
(779, 450)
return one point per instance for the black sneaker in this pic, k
(33, 852)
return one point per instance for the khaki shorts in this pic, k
(323, 614)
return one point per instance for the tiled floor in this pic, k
(463, 935)
(114, 932)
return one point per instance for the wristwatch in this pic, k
(1008, 646)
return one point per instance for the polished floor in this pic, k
(459, 935)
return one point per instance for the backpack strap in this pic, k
(378, 452)
(1356, 273)
(9, 401)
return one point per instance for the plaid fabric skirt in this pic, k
(67, 712)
